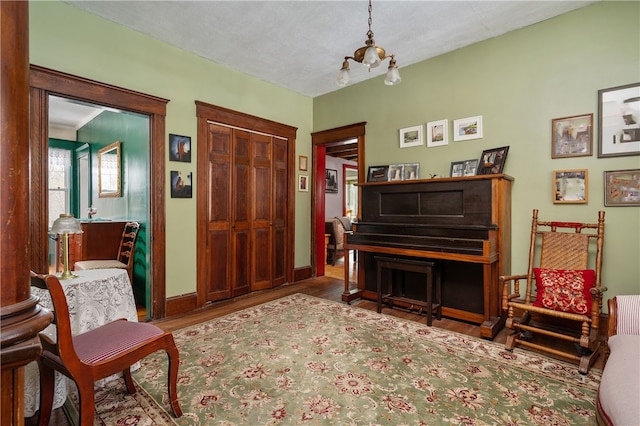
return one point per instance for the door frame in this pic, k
(45, 82)
(319, 141)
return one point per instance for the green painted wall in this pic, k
(65, 38)
(132, 130)
(518, 82)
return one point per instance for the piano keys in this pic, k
(463, 223)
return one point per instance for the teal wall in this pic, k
(518, 82)
(67, 39)
(132, 130)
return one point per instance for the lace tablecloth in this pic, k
(95, 298)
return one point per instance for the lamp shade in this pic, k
(66, 224)
(393, 76)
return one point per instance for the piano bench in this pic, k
(432, 274)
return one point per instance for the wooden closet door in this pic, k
(216, 255)
(242, 189)
(262, 213)
(279, 211)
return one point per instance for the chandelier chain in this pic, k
(370, 20)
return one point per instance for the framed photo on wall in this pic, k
(303, 183)
(622, 188)
(619, 121)
(331, 181)
(570, 186)
(467, 128)
(572, 136)
(411, 136)
(437, 133)
(179, 148)
(303, 163)
(180, 184)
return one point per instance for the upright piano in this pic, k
(462, 224)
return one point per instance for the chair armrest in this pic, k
(506, 281)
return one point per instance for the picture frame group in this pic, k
(393, 172)
(490, 162)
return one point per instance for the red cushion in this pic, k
(566, 291)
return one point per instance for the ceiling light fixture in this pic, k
(370, 56)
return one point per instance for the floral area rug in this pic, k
(301, 360)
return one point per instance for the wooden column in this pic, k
(21, 318)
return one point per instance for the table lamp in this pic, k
(66, 224)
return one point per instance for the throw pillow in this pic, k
(564, 290)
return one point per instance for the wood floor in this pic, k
(330, 287)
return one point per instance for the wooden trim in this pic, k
(177, 305)
(44, 82)
(303, 273)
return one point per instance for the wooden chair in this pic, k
(337, 227)
(96, 354)
(125, 253)
(563, 298)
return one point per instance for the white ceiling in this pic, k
(300, 45)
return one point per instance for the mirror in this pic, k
(109, 171)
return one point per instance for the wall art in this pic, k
(622, 188)
(437, 133)
(619, 121)
(179, 148)
(570, 186)
(411, 136)
(180, 184)
(467, 128)
(572, 136)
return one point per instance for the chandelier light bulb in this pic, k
(393, 75)
(371, 58)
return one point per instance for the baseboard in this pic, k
(303, 273)
(181, 304)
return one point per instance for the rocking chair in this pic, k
(563, 297)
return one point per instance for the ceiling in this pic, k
(300, 45)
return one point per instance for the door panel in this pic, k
(279, 208)
(261, 224)
(241, 224)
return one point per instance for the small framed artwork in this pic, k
(303, 163)
(619, 121)
(411, 171)
(470, 167)
(396, 172)
(457, 169)
(377, 173)
(467, 128)
(572, 136)
(437, 133)
(570, 186)
(303, 183)
(331, 181)
(180, 184)
(622, 188)
(179, 148)
(492, 161)
(410, 136)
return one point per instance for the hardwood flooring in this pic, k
(330, 287)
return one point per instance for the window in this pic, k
(59, 183)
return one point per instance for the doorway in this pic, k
(341, 139)
(45, 82)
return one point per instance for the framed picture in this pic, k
(619, 121)
(470, 167)
(570, 186)
(411, 136)
(396, 172)
(457, 169)
(303, 183)
(492, 161)
(180, 184)
(437, 133)
(572, 136)
(179, 148)
(303, 162)
(331, 180)
(411, 171)
(622, 188)
(467, 128)
(377, 173)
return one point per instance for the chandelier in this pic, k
(370, 56)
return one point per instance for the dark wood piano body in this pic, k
(464, 224)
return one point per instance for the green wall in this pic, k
(70, 40)
(518, 82)
(132, 130)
